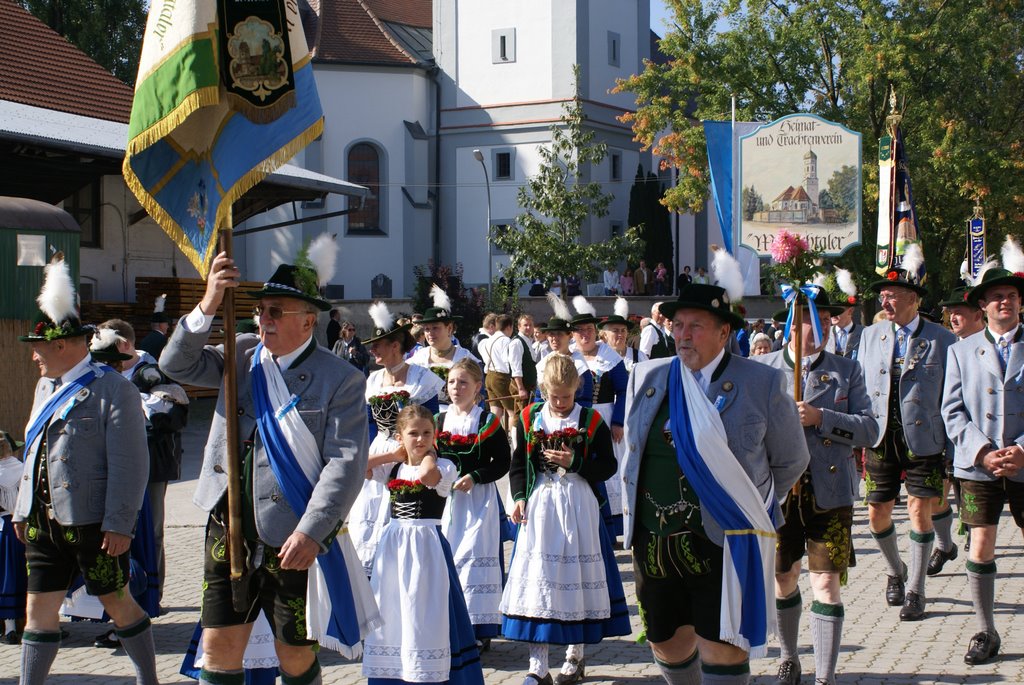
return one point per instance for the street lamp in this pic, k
(479, 156)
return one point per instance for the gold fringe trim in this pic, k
(197, 99)
(751, 531)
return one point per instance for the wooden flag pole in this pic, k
(236, 550)
(798, 362)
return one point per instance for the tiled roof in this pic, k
(41, 68)
(353, 31)
(792, 194)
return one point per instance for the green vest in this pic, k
(665, 502)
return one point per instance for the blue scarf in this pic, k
(56, 400)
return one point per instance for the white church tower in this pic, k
(811, 181)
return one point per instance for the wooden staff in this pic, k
(236, 550)
(797, 333)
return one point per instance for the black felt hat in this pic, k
(708, 298)
(994, 277)
(58, 315)
(958, 298)
(294, 281)
(555, 325)
(898, 278)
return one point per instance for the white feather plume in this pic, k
(1013, 257)
(323, 252)
(913, 260)
(844, 279)
(965, 271)
(57, 296)
(726, 273)
(559, 307)
(819, 279)
(440, 298)
(159, 303)
(382, 316)
(105, 338)
(991, 263)
(583, 306)
(621, 307)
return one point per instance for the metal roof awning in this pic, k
(49, 155)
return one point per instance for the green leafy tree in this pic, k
(109, 31)
(842, 190)
(752, 202)
(955, 67)
(547, 240)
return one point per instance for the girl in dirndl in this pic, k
(426, 636)
(563, 584)
(474, 440)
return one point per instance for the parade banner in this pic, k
(975, 245)
(801, 174)
(897, 218)
(225, 95)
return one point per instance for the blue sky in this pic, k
(658, 13)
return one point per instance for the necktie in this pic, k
(1004, 352)
(841, 342)
(699, 377)
(901, 346)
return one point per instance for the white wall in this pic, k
(620, 17)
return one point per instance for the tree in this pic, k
(751, 202)
(842, 190)
(955, 67)
(547, 240)
(109, 31)
(651, 217)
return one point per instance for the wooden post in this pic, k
(236, 550)
(798, 361)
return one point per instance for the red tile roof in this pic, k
(39, 67)
(794, 194)
(353, 31)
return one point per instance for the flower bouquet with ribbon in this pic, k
(569, 437)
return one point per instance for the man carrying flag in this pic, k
(700, 507)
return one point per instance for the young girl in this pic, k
(426, 636)
(474, 517)
(563, 585)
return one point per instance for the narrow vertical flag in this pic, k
(897, 218)
(975, 244)
(225, 95)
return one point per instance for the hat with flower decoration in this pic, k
(958, 298)
(1011, 273)
(58, 305)
(313, 269)
(906, 275)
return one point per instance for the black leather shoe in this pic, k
(895, 589)
(789, 673)
(107, 640)
(11, 638)
(939, 559)
(576, 668)
(984, 646)
(913, 608)
(534, 679)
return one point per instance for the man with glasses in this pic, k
(904, 357)
(316, 441)
(984, 413)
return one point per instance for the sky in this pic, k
(658, 14)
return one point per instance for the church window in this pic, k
(364, 168)
(502, 165)
(615, 164)
(503, 46)
(614, 47)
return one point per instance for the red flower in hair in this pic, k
(1019, 274)
(852, 299)
(892, 276)
(40, 328)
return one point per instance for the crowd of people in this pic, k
(379, 482)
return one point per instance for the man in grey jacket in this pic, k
(282, 545)
(904, 360)
(984, 413)
(677, 546)
(836, 415)
(85, 472)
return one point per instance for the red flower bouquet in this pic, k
(402, 489)
(399, 397)
(445, 440)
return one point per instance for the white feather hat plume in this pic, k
(583, 307)
(382, 316)
(159, 303)
(990, 263)
(913, 260)
(1013, 257)
(559, 307)
(323, 252)
(57, 296)
(621, 307)
(844, 279)
(965, 272)
(819, 279)
(105, 338)
(440, 298)
(727, 273)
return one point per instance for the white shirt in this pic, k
(76, 371)
(707, 371)
(1008, 336)
(649, 337)
(198, 322)
(514, 355)
(498, 350)
(611, 280)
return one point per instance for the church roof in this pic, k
(797, 194)
(385, 32)
(39, 67)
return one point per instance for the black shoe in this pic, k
(534, 679)
(895, 590)
(939, 559)
(789, 673)
(576, 668)
(913, 608)
(984, 646)
(107, 640)
(483, 645)
(11, 638)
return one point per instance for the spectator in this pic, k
(642, 278)
(572, 286)
(660, 279)
(349, 347)
(611, 280)
(701, 276)
(626, 282)
(537, 288)
(333, 329)
(683, 279)
(760, 344)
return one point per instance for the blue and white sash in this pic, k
(39, 419)
(727, 494)
(340, 609)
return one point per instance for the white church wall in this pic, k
(619, 21)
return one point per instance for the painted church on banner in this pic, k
(412, 89)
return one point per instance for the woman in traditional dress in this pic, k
(474, 440)
(427, 636)
(563, 585)
(441, 351)
(397, 384)
(559, 338)
(615, 331)
(13, 576)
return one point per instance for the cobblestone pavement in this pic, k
(877, 647)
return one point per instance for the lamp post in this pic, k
(479, 156)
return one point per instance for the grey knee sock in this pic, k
(725, 675)
(920, 549)
(943, 524)
(826, 634)
(38, 650)
(207, 677)
(312, 676)
(685, 673)
(137, 640)
(788, 611)
(887, 543)
(982, 579)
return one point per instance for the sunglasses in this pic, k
(273, 311)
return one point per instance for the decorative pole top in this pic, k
(979, 213)
(894, 118)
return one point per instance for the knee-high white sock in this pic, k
(539, 659)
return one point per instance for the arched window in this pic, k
(364, 168)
